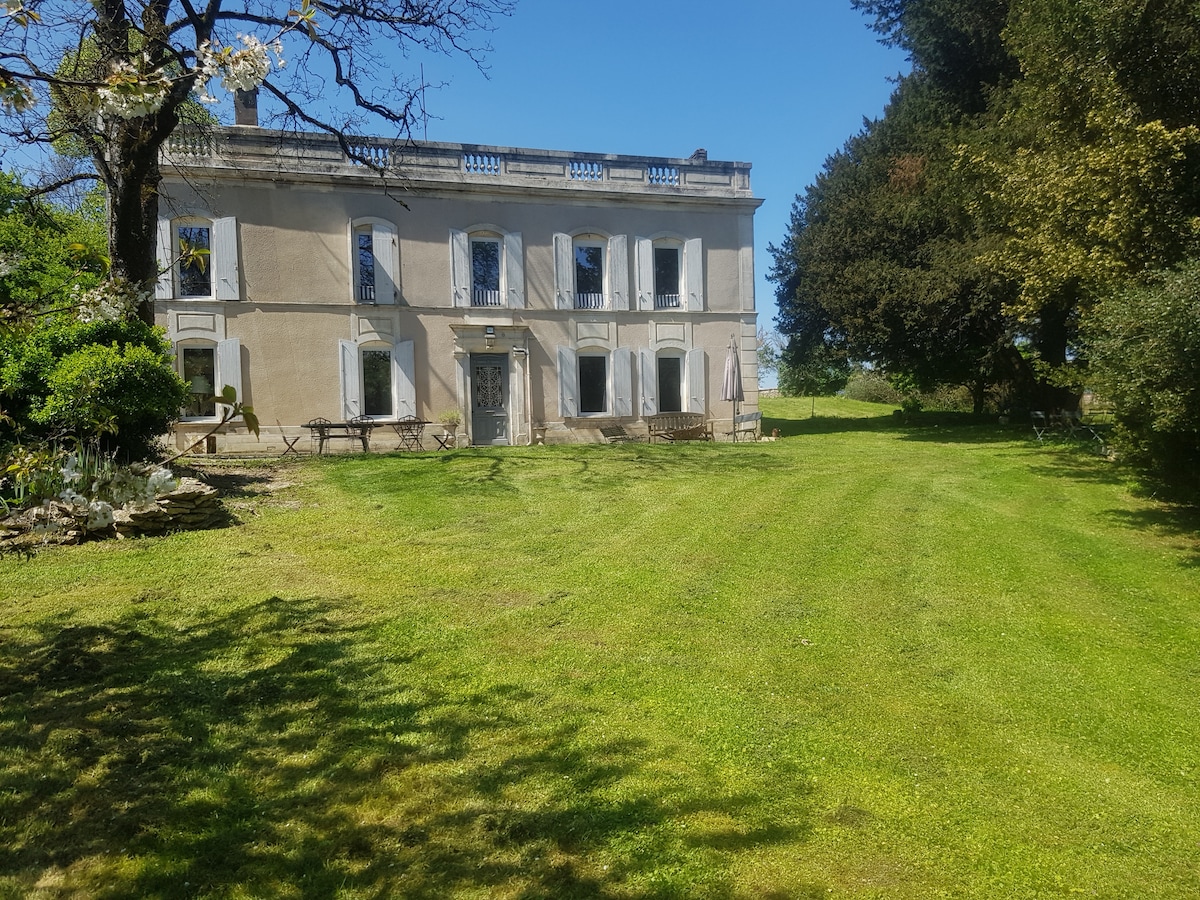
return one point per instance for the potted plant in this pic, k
(450, 420)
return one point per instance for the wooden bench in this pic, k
(679, 427)
(747, 425)
(357, 429)
(616, 434)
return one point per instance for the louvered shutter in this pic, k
(694, 363)
(229, 368)
(623, 382)
(693, 260)
(164, 287)
(564, 271)
(648, 378)
(403, 375)
(618, 271)
(224, 259)
(514, 270)
(645, 272)
(386, 249)
(460, 268)
(568, 382)
(351, 382)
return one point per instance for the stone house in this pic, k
(539, 293)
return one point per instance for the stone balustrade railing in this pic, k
(248, 150)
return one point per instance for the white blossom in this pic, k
(100, 515)
(129, 93)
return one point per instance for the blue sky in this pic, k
(778, 84)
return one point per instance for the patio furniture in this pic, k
(616, 434)
(679, 426)
(356, 429)
(747, 425)
(409, 429)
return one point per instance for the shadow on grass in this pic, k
(271, 751)
(1172, 521)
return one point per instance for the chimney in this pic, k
(700, 155)
(245, 107)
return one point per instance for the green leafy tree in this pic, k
(1144, 347)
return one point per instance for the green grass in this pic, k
(867, 660)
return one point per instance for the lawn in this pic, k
(867, 660)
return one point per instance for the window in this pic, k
(670, 273)
(195, 275)
(589, 275)
(487, 268)
(365, 280)
(593, 384)
(591, 272)
(666, 279)
(377, 383)
(377, 379)
(485, 272)
(670, 384)
(672, 380)
(198, 259)
(200, 372)
(375, 261)
(208, 368)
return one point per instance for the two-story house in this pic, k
(528, 289)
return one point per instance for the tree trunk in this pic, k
(133, 217)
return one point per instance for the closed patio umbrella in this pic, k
(731, 385)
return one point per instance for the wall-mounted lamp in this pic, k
(489, 337)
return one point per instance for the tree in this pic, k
(119, 74)
(1144, 347)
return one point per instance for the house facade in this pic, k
(542, 294)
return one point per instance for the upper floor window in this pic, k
(591, 271)
(666, 278)
(375, 260)
(589, 275)
(487, 267)
(198, 259)
(195, 275)
(670, 273)
(485, 272)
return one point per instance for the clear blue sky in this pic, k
(778, 83)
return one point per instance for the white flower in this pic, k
(100, 515)
(161, 481)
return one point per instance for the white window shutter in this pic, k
(693, 261)
(229, 367)
(404, 377)
(618, 271)
(514, 270)
(648, 377)
(460, 267)
(568, 382)
(694, 363)
(386, 249)
(622, 381)
(645, 272)
(564, 271)
(164, 287)
(351, 381)
(223, 258)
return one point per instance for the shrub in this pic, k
(871, 387)
(1144, 352)
(76, 379)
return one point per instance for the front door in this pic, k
(489, 398)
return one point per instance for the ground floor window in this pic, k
(377, 383)
(593, 384)
(670, 384)
(200, 372)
